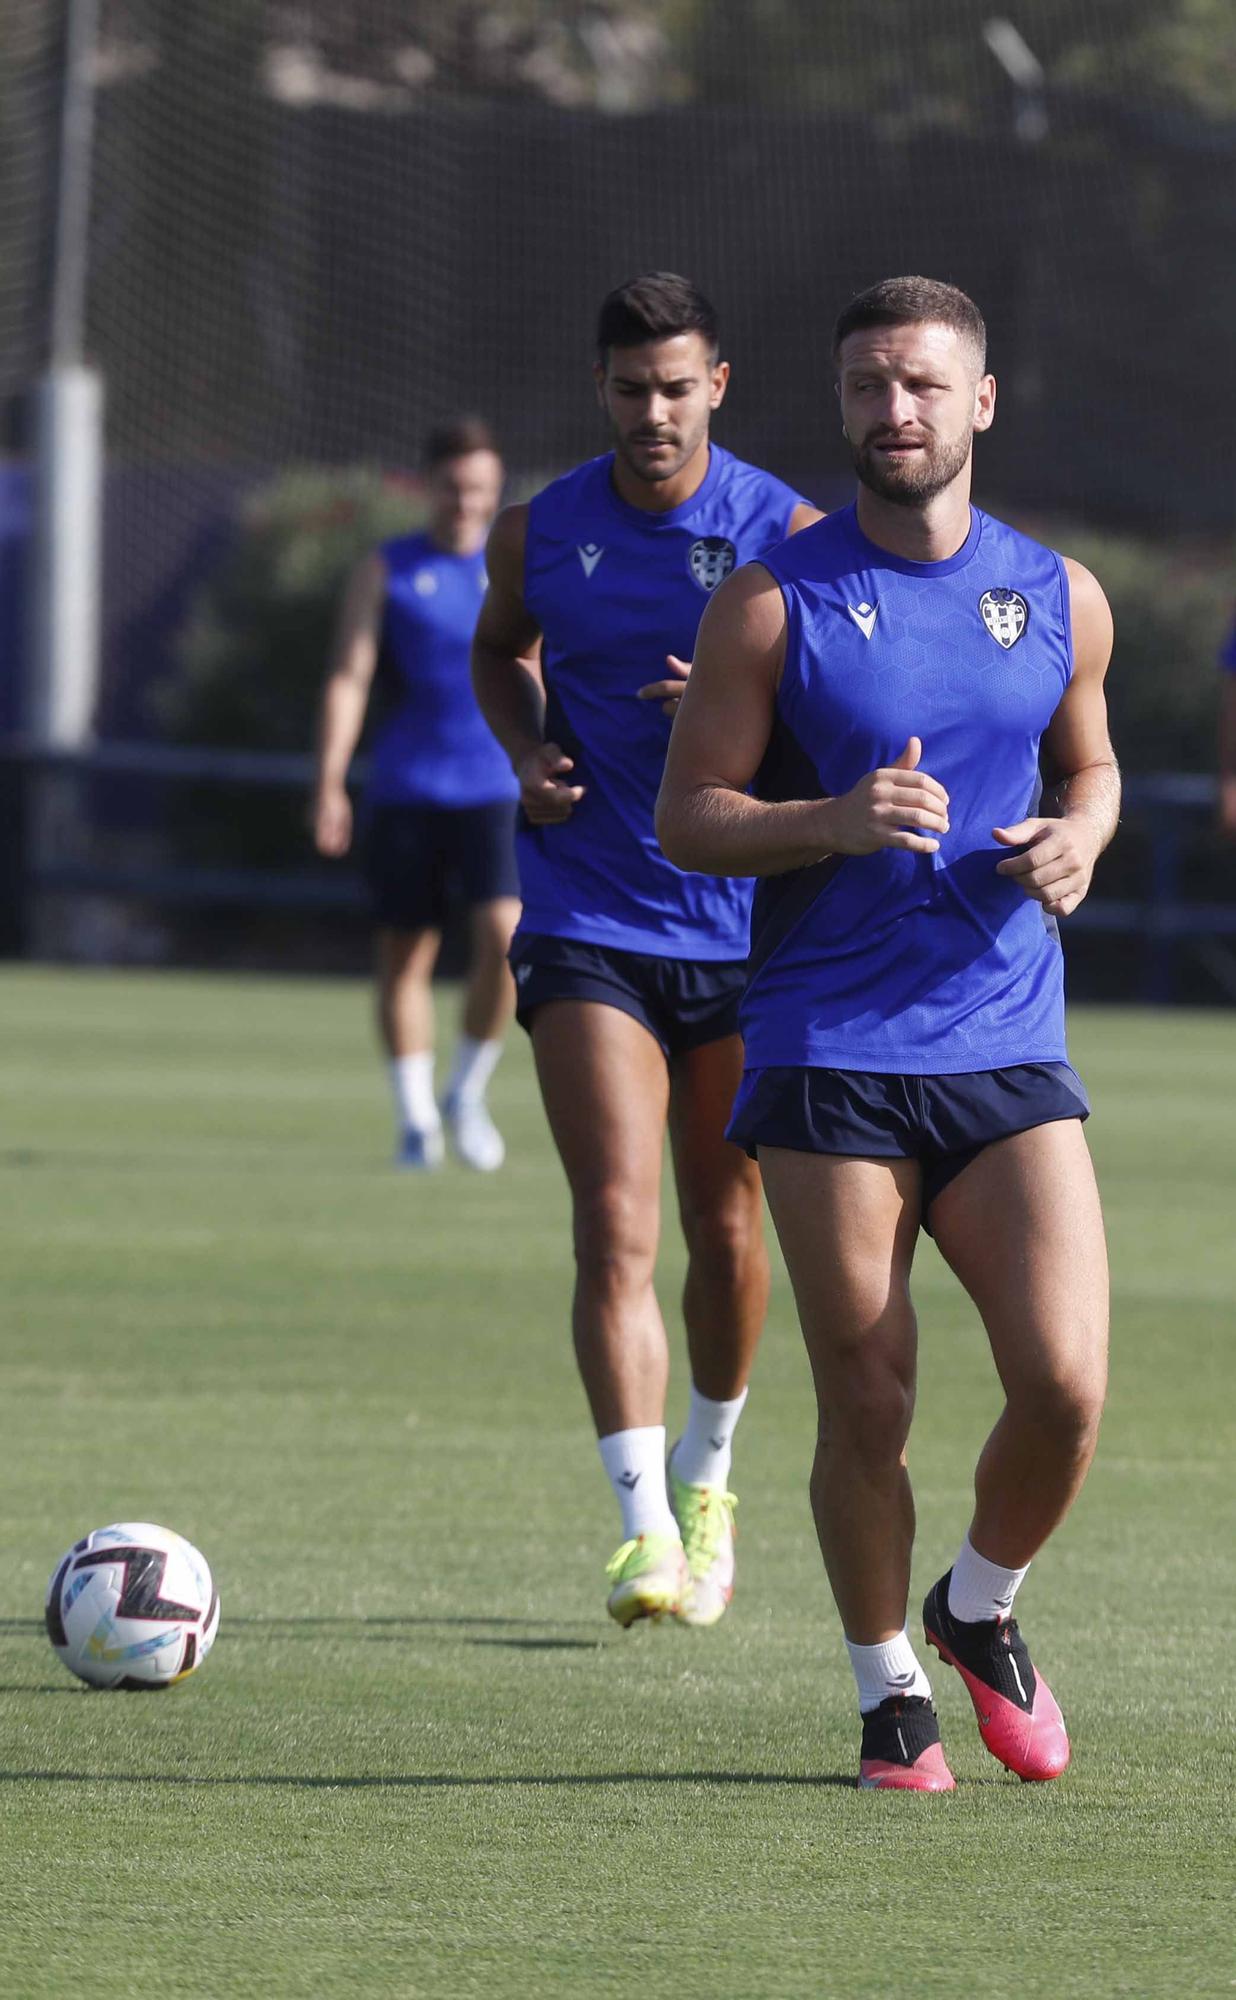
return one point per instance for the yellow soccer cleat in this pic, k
(706, 1516)
(650, 1579)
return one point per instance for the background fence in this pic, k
(312, 231)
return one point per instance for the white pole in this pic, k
(68, 557)
(67, 543)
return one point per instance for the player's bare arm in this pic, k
(669, 691)
(706, 819)
(1058, 855)
(508, 687)
(345, 697)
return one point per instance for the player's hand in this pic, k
(1055, 864)
(1226, 817)
(543, 791)
(668, 693)
(331, 820)
(896, 806)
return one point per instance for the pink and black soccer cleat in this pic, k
(901, 1748)
(1018, 1718)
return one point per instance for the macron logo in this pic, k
(590, 555)
(864, 616)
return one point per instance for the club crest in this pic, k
(710, 560)
(1005, 615)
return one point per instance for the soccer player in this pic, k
(882, 684)
(628, 971)
(440, 802)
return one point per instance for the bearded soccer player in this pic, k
(884, 685)
(628, 971)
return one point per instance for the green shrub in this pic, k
(256, 645)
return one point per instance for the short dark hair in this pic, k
(914, 302)
(455, 437)
(655, 307)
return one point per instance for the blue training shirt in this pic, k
(919, 964)
(614, 589)
(435, 748)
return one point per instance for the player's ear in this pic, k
(598, 376)
(984, 402)
(720, 380)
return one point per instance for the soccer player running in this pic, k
(883, 684)
(440, 801)
(628, 971)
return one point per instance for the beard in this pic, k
(911, 482)
(682, 445)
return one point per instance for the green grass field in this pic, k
(421, 1761)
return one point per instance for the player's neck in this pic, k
(456, 542)
(919, 534)
(661, 496)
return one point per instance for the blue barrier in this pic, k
(1162, 918)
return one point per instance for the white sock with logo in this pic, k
(412, 1084)
(475, 1063)
(978, 1590)
(702, 1454)
(635, 1463)
(891, 1668)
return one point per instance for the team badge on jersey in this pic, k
(710, 560)
(1005, 615)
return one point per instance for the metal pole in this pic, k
(66, 550)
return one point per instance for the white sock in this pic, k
(474, 1064)
(891, 1668)
(412, 1083)
(979, 1590)
(702, 1454)
(635, 1462)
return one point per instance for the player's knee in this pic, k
(615, 1236)
(727, 1239)
(1066, 1404)
(867, 1411)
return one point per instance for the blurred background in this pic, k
(250, 251)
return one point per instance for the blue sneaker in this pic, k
(421, 1150)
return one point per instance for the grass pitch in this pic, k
(420, 1760)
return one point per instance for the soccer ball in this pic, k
(132, 1606)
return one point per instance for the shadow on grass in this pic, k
(297, 1626)
(445, 1781)
(540, 1645)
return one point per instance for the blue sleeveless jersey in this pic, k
(435, 748)
(920, 964)
(614, 589)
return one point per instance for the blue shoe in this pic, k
(421, 1150)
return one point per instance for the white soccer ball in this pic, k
(132, 1606)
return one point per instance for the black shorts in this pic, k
(683, 1003)
(420, 860)
(943, 1122)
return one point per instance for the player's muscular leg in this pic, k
(490, 997)
(405, 963)
(725, 1296)
(1022, 1229)
(604, 1081)
(847, 1229)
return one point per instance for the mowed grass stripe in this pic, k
(421, 1761)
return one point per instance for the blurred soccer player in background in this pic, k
(629, 971)
(439, 808)
(883, 683)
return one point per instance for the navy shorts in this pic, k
(683, 1003)
(943, 1122)
(421, 860)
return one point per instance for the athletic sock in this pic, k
(891, 1668)
(474, 1064)
(702, 1454)
(412, 1083)
(979, 1590)
(635, 1463)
